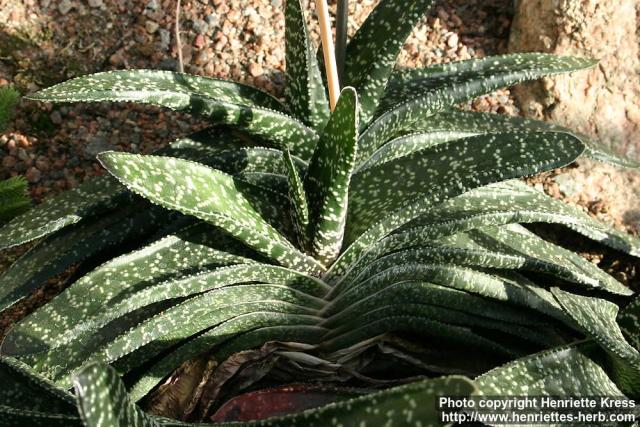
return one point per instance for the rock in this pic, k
(9, 162)
(616, 190)
(212, 20)
(255, 69)
(199, 26)
(42, 164)
(56, 117)
(23, 155)
(152, 6)
(165, 39)
(452, 40)
(65, 6)
(33, 175)
(603, 102)
(151, 26)
(96, 3)
(199, 42)
(96, 146)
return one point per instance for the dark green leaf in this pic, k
(597, 318)
(75, 244)
(449, 169)
(208, 194)
(371, 54)
(572, 371)
(221, 101)
(305, 91)
(177, 255)
(101, 392)
(420, 96)
(327, 180)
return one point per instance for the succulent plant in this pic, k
(13, 191)
(378, 243)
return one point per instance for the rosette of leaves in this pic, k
(13, 191)
(383, 241)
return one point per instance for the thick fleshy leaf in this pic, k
(371, 54)
(100, 391)
(513, 68)
(629, 321)
(24, 389)
(328, 177)
(187, 287)
(300, 211)
(515, 202)
(572, 371)
(153, 336)
(449, 169)
(103, 400)
(515, 240)
(30, 400)
(221, 101)
(420, 97)
(92, 197)
(597, 318)
(101, 194)
(403, 296)
(508, 298)
(182, 253)
(208, 194)
(13, 198)
(247, 332)
(456, 121)
(305, 92)
(75, 244)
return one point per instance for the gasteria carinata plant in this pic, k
(368, 245)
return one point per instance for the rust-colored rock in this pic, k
(604, 102)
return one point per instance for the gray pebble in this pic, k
(212, 20)
(200, 26)
(152, 6)
(65, 6)
(165, 38)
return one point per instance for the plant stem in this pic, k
(342, 19)
(329, 52)
(178, 42)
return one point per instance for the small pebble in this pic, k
(65, 6)
(165, 38)
(56, 117)
(33, 175)
(199, 42)
(255, 69)
(151, 26)
(152, 6)
(452, 41)
(96, 3)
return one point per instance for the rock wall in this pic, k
(604, 102)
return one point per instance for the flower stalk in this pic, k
(328, 51)
(342, 19)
